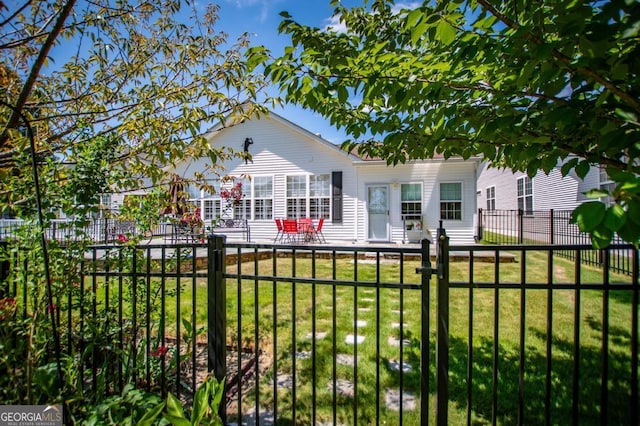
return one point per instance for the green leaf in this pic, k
(630, 232)
(445, 32)
(174, 410)
(200, 403)
(596, 193)
(418, 31)
(566, 167)
(601, 237)
(588, 215)
(414, 16)
(149, 418)
(582, 168)
(187, 326)
(615, 217)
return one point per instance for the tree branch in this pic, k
(14, 118)
(564, 59)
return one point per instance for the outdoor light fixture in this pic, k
(247, 142)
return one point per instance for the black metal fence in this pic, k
(510, 334)
(333, 332)
(99, 230)
(541, 339)
(357, 335)
(126, 314)
(546, 227)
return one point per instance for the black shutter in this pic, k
(336, 184)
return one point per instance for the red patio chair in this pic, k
(290, 230)
(317, 232)
(305, 228)
(280, 233)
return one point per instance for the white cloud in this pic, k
(336, 24)
(399, 6)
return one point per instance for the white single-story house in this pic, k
(504, 189)
(294, 173)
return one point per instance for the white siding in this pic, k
(430, 174)
(278, 150)
(552, 191)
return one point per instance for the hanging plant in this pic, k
(232, 195)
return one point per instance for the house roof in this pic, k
(353, 154)
(289, 124)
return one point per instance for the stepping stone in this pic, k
(346, 359)
(285, 381)
(266, 418)
(319, 335)
(364, 309)
(395, 311)
(367, 299)
(303, 355)
(343, 387)
(351, 339)
(369, 291)
(361, 323)
(392, 400)
(396, 342)
(397, 325)
(395, 366)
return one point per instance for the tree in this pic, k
(526, 85)
(97, 96)
(114, 91)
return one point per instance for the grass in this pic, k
(489, 324)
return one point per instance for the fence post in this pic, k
(442, 330)
(520, 225)
(217, 313)
(552, 230)
(425, 363)
(480, 225)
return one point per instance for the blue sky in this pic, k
(261, 18)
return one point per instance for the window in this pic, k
(451, 201)
(411, 201)
(309, 196)
(296, 196)
(211, 209)
(262, 197)
(319, 196)
(525, 194)
(491, 198)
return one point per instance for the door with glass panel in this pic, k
(378, 212)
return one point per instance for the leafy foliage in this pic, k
(111, 94)
(526, 85)
(137, 91)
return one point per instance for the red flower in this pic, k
(160, 352)
(122, 238)
(234, 194)
(51, 307)
(7, 307)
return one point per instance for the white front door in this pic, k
(378, 210)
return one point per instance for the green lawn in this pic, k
(507, 309)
